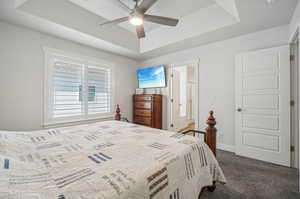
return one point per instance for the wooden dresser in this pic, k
(147, 110)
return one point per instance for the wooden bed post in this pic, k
(118, 113)
(211, 133)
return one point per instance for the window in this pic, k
(76, 88)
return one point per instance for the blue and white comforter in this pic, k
(105, 160)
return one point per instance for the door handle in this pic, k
(239, 110)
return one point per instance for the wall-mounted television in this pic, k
(154, 77)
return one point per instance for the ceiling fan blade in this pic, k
(161, 20)
(145, 5)
(116, 21)
(140, 31)
(123, 5)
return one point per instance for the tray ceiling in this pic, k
(201, 21)
(109, 9)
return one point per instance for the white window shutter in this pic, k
(99, 90)
(67, 83)
(76, 88)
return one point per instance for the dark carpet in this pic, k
(252, 179)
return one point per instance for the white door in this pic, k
(263, 105)
(177, 118)
(183, 95)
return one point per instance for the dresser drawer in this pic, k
(143, 105)
(143, 112)
(143, 120)
(142, 98)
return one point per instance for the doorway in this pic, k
(184, 97)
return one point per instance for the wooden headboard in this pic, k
(211, 133)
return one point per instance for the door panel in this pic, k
(262, 103)
(258, 140)
(261, 122)
(260, 82)
(261, 62)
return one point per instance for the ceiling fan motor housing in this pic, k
(138, 15)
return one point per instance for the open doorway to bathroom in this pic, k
(184, 97)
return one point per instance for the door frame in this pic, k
(294, 46)
(296, 37)
(170, 90)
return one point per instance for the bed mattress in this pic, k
(105, 160)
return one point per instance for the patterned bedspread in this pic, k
(105, 160)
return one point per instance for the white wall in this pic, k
(22, 66)
(216, 75)
(22, 70)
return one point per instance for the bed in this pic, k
(105, 160)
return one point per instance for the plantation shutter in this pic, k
(99, 89)
(78, 90)
(67, 84)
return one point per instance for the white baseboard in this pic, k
(226, 147)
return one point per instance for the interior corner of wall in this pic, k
(293, 30)
(19, 3)
(230, 7)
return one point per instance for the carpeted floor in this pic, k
(252, 179)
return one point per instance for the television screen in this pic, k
(152, 77)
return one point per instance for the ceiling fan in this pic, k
(138, 15)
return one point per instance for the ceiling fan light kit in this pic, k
(138, 16)
(136, 19)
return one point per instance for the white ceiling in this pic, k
(201, 22)
(255, 15)
(109, 9)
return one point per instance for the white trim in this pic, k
(294, 36)
(226, 147)
(291, 40)
(188, 62)
(170, 94)
(294, 69)
(76, 119)
(49, 53)
(81, 57)
(80, 122)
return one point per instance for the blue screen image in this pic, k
(152, 77)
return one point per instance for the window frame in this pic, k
(50, 54)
